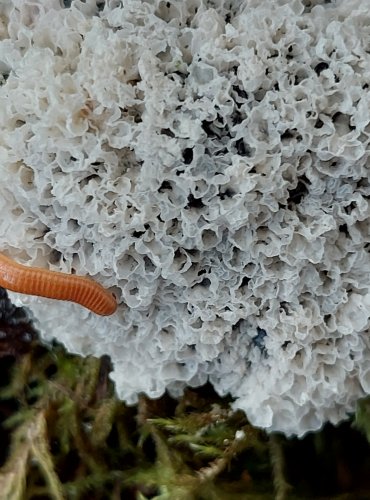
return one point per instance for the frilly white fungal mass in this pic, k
(209, 162)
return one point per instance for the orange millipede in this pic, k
(54, 285)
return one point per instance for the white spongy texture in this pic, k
(207, 160)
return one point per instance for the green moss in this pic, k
(71, 438)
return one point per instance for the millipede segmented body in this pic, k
(54, 285)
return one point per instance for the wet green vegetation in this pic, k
(65, 435)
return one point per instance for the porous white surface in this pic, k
(209, 161)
